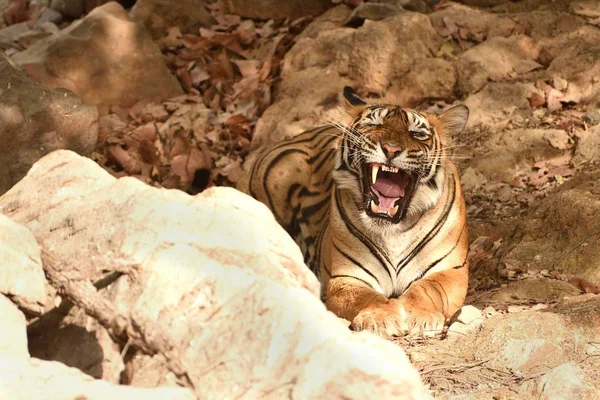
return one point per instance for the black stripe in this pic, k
(373, 248)
(291, 191)
(353, 277)
(318, 246)
(355, 262)
(327, 157)
(431, 234)
(308, 212)
(268, 168)
(436, 262)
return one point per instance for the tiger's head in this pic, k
(393, 159)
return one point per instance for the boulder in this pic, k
(35, 121)
(329, 56)
(275, 9)
(159, 15)
(104, 58)
(13, 341)
(34, 379)
(21, 274)
(214, 276)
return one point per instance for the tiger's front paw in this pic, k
(421, 321)
(383, 319)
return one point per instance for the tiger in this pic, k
(375, 203)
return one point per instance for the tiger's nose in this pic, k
(391, 150)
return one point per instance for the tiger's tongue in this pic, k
(387, 192)
(388, 188)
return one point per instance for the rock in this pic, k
(493, 107)
(540, 290)
(494, 60)
(415, 5)
(69, 8)
(21, 274)
(84, 59)
(12, 32)
(373, 12)
(466, 320)
(468, 314)
(552, 234)
(472, 24)
(574, 57)
(49, 15)
(529, 341)
(159, 15)
(565, 382)
(74, 9)
(588, 147)
(35, 121)
(29, 378)
(592, 116)
(13, 341)
(219, 273)
(326, 59)
(276, 9)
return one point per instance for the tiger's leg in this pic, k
(433, 300)
(366, 308)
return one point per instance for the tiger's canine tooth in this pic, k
(394, 210)
(374, 170)
(374, 207)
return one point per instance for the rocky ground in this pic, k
(180, 99)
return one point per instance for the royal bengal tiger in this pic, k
(375, 203)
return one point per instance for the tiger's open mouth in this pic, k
(388, 191)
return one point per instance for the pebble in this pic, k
(468, 314)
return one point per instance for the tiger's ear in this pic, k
(454, 120)
(352, 105)
(351, 99)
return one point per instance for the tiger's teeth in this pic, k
(374, 207)
(374, 170)
(394, 211)
(389, 169)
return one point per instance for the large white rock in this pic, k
(221, 279)
(13, 340)
(21, 274)
(25, 379)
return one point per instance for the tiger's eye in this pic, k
(419, 135)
